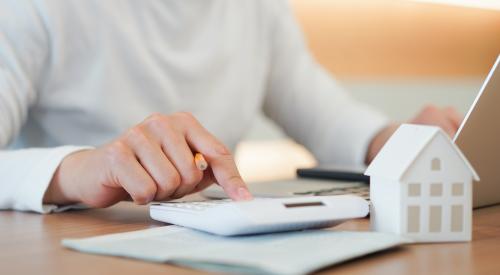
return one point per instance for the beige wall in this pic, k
(399, 38)
(399, 55)
(395, 55)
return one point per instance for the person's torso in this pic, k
(113, 63)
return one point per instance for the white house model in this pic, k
(421, 187)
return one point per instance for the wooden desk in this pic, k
(30, 244)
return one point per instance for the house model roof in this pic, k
(404, 146)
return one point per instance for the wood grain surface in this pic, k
(30, 244)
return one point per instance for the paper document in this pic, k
(298, 252)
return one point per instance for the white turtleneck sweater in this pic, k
(78, 73)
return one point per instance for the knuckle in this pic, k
(156, 120)
(185, 116)
(450, 109)
(234, 180)
(155, 116)
(145, 194)
(173, 181)
(192, 177)
(117, 152)
(221, 151)
(135, 135)
(430, 108)
(168, 185)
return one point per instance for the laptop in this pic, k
(478, 137)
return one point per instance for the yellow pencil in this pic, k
(200, 161)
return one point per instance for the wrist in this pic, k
(62, 189)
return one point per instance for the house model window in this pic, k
(457, 189)
(413, 189)
(436, 164)
(436, 189)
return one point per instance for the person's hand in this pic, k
(447, 118)
(152, 161)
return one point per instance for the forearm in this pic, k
(379, 140)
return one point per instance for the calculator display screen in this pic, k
(303, 204)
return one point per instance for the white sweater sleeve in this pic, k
(308, 103)
(24, 50)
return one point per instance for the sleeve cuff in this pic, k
(36, 182)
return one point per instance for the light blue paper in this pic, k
(298, 252)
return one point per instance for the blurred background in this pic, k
(396, 55)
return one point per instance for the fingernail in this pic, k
(244, 194)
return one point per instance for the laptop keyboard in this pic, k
(362, 191)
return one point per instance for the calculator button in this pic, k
(193, 205)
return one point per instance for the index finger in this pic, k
(220, 160)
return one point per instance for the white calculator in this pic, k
(261, 215)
